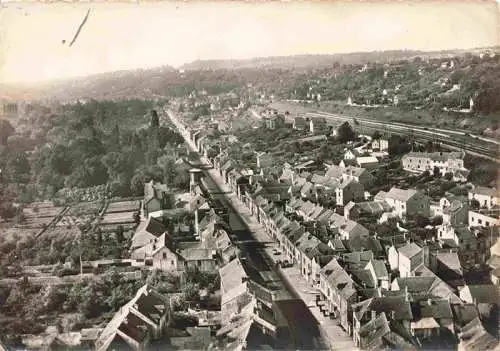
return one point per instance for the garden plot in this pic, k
(123, 206)
(60, 232)
(69, 221)
(85, 208)
(18, 233)
(42, 210)
(129, 228)
(118, 218)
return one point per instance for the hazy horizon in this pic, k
(120, 36)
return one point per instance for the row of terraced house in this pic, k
(397, 286)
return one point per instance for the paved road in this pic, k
(246, 229)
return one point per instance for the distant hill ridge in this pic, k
(321, 60)
(165, 80)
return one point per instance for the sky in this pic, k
(132, 35)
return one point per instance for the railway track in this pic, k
(472, 144)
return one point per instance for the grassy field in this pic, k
(123, 206)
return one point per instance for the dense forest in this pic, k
(117, 143)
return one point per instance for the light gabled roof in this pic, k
(366, 159)
(481, 190)
(232, 275)
(400, 194)
(410, 250)
(338, 279)
(134, 318)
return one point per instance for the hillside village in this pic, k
(223, 221)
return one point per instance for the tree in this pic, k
(436, 172)
(6, 130)
(119, 234)
(155, 120)
(376, 135)
(345, 133)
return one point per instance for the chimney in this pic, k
(407, 297)
(429, 302)
(393, 315)
(373, 315)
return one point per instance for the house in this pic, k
(430, 316)
(424, 285)
(460, 237)
(300, 123)
(349, 230)
(234, 289)
(357, 210)
(368, 162)
(147, 231)
(349, 190)
(446, 162)
(379, 273)
(264, 160)
(274, 121)
(484, 218)
(137, 323)
(481, 293)
(307, 248)
(159, 253)
(380, 144)
(360, 175)
(338, 292)
(397, 308)
(198, 258)
(380, 334)
(406, 259)
(348, 162)
(351, 154)
(408, 202)
(474, 336)
(487, 197)
(453, 209)
(494, 264)
(317, 125)
(156, 197)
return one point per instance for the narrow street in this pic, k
(261, 255)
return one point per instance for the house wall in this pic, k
(408, 265)
(477, 219)
(232, 307)
(418, 204)
(459, 216)
(393, 257)
(465, 295)
(208, 265)
(484, 200)
(153, 205)
(166, 260)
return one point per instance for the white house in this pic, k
(487, 197)
(380, 144)
(446, 162)
(484, 218)
(407, 202)
(406, 259)
(367, 162)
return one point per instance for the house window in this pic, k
(487, 223)
(172, 262)
(164, 255)
(480, 221)
(199, 263)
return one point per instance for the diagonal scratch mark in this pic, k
(80, 27)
